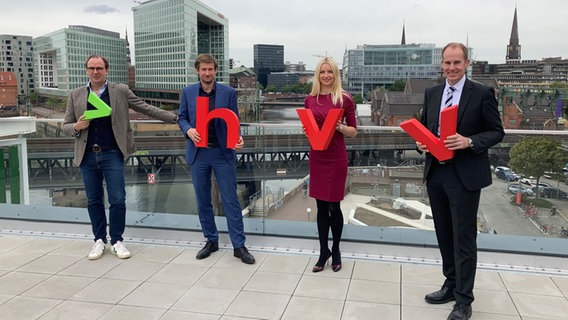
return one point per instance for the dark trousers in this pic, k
(107, 166)
(454, 210)
(212, 160)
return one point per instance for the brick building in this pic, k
(8, 89)
(8, 94)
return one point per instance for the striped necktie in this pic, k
(449, 97)
(447, 103)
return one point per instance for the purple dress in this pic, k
(328, 168)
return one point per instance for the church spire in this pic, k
(403, 40)
(128, 57)
(514, 48)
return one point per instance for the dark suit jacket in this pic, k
(478, 119)
(225, 97)
(121, 99)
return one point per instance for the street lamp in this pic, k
(309, 210)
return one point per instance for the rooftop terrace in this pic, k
(387, 268)
(44, 274)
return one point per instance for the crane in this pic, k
(320, 56)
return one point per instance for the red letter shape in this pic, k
(418, 132)
(319, 140)
(203, 117)
(449, 122)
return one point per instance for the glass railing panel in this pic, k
(385, 199)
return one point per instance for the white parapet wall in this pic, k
(16, 125)
(12, 130)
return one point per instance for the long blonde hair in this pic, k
(336, 89)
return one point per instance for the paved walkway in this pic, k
(46, 275)
(300, 208)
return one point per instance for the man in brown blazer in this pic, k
(101, 148)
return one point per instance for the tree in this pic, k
(398, 85)
(297, 88)
(541, 95)
(358, 99)
(525, 98)
(537, 155)
(556, 85)
(33, 97)
(53, 102)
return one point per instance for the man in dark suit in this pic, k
(215, 157)
(454, 186)
(101, 147)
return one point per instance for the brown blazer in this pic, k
(121, 100)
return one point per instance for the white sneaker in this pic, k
(120, 250)
(98, 250)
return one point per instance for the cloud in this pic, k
(100, 9)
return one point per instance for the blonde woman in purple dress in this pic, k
(328, 168)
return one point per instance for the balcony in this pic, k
(390, 259)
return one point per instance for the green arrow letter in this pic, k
(103, 109)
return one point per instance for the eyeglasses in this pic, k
(98, 69)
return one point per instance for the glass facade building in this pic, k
(59, 58)
(168, 36)
(16, 55)
(371, 66)
(267, 58)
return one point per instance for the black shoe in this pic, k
(460, 312)
(322, 260)
(446, 294)
(244, 254)
(336, 261)
(210, 247)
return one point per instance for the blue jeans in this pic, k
(107, 165)
(210, 160)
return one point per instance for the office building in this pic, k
(371, 66)
(294, 67)
(267, 58)
(279, 80)
(59, 58)
(16, 55)
(168, 36)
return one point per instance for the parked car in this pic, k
(553, 193)
(506, 174)
(516, 188)
(541, 185)
(530, 181)
(500, 168)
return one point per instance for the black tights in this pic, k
(329, 215)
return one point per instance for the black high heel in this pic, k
(321, 262)
(336, 261)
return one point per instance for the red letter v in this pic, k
(319, 140)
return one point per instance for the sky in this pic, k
(309, 29)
